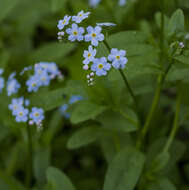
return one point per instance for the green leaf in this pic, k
(125, 170)
(84, 137)
(176, 23)
(51, 51)
(118, 121)
(48, 100)
(127, 37)
(41, 163)
(159, 162)
(161, 184)
(86, 110)
(58, 180)
(182, 59)
(6, 7)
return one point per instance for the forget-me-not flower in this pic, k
(118, 59)
(94, 3)
(37, 115)
(12, 85)
(22, 114)
(75, 33)
(80, 17)
(33, 83)
(94, 35)
(89, 55)
(122, 2)
(63, 22)
(100, 66)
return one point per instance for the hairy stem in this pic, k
(30, 156)
(175, 124)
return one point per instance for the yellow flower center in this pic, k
(75, 33)
(118, 57)
(64, 21)
(80, 15)
(20, 113)
(34, 84)
(100, 66)
(93, 35)
(89, 55)
(36, 114)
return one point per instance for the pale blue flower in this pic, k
(80, 17)
(94, 3)
(100, 66)
(33, 83)
(16, 104)
(37, 115)
(122, 2)
(89, 55)
(63, 110)
(75, 33)
(63, 22)
(22, 114)
(118, 59)
(44, 79)
(2, 84)
(12, 85)
(75, 98)
(94, 35)
(1, 71)
(106, 24)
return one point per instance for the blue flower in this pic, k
(94, 35)
(122, 2)
(75, 98)
(101, 66)
(118, 59)
(16, 104)
(75, 33)
(94, 3)
(33, 83)
(22, 114)
(63, 110)
(27, 102)
(2, 84)
(37, 115)
(63, 22)
(12, 85)
(44, 79)
(89, 55)
(106, 24)
(80, 17)
(1, 71)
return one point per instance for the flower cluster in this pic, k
(19, 109)
(2, 81)
(64, 108)
(43, 73)
(99, 66)
(77, 33)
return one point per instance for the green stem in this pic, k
(127, 85)
(30, 156)
(175, 124)
(151, 112)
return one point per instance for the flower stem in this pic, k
(30, 156)
(175, 124)
(151, 112)
(127, 86)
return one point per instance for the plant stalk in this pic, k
(30, 156)
(175, 124)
